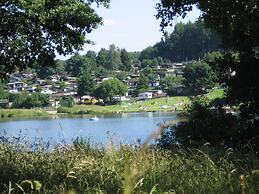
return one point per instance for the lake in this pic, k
(120, 128)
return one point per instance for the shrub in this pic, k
(67, 101)
(204, 124)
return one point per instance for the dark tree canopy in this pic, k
(198, 77)
(44, 72)
(37, 30)
(188, 42)
(110, 88)
(78, 63)
(235, 20)
(86, 83)
(126, 60)
(3, 93)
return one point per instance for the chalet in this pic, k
(88, 100)
(130, 82)
(31, 89)
(47, 92)
(15, 79)
(47, 87)
(157, 93)
(40, 82)
(19, 86)
(55, 78)
(154, 84)
(145, 95)
(178, 67)
(72, 79)
(120, 98)
(54, 103)
(170, 72)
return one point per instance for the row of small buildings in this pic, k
(18, 82)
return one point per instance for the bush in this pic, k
(198, 77)
(25, 100)
(67, 101)
(204, 124)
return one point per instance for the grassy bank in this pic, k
(82, 169)
(153, 105)
(21, 113)
(160, 104)
(218, 93)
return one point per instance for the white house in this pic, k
(48, 92)
(106, 78)
(120, 98)
(31, 89)
(16, 86)
(145, 95)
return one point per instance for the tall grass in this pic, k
(81, 168)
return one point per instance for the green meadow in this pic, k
(176, 103)
(21, 113)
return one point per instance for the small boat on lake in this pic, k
(95, 118)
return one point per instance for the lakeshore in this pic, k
(165, 104)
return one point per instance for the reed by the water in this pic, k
(82, 168)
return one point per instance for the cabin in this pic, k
(54, 103)
(41, 82)
(120, 98)
(131, 82)
(145, 95)
(47, 92)
(32, 89)
(19, 86)
(157, 93)
(88, 100)
(154, 84)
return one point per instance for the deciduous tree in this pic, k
(36, 30)
(198, 77)
(86, 83)
(110, 88)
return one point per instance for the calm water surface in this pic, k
(121, 128)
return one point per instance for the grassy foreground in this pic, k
(21, 113)
(154, 105)
(79, 168)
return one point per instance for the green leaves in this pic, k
(34, 30)
(86, 83)
(235, 21)
(110, 88)
(198, 77)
